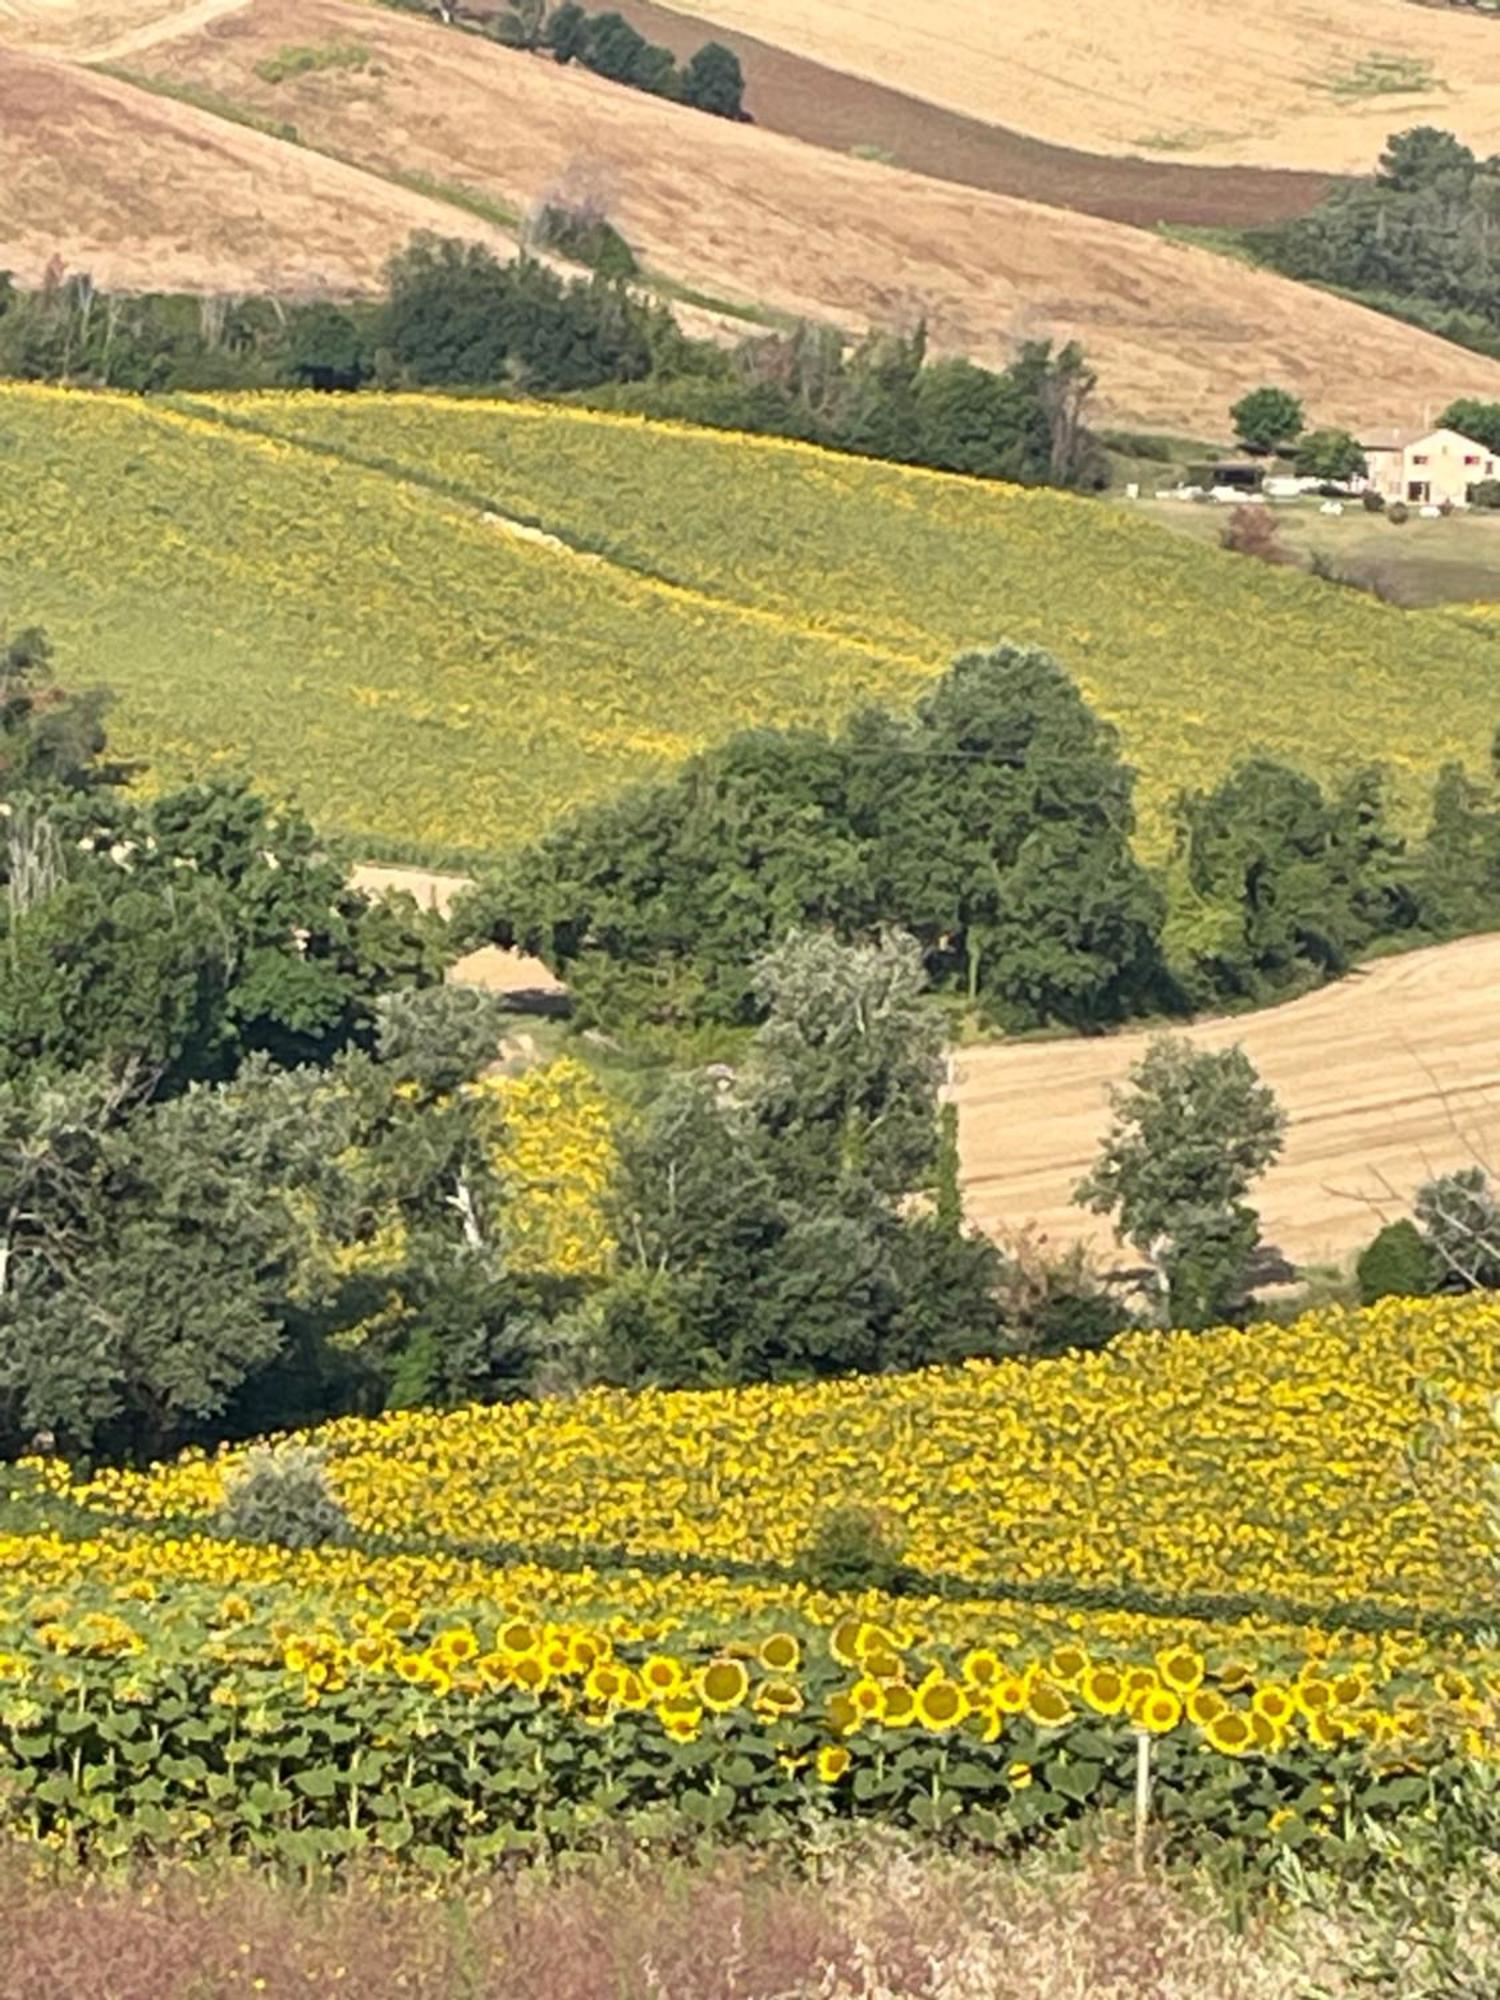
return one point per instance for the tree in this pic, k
(1330, 454)
(1191, 1131)
(1267, 419)
(1460, 1222)
(1255, 532)
(326, 349)
(1424, 157)
(567, 31)
(48, 737)
(1478, 420)
(713, 81)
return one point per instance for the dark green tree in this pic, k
(1267, 419)
(1330, 454)
(713, 81)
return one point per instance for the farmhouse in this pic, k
(1427, 468)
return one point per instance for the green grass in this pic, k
(308, 590)
(1380, 74)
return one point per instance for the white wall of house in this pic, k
(1441, 466)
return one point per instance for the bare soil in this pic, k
(1387, 1078)
(148, 194)
(490, 968)
(789, 93)
(1282, 83)
(749, 215)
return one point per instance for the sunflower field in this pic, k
(1261, 1559)
(438, 624)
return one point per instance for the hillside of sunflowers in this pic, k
(439, 624)
(1257, 1561)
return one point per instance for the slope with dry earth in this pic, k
(1387, 1078)
(750, 215)
(1285, 83)
(144, 193)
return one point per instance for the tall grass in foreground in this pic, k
(890, 1928)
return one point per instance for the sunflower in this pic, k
(1234, 1675)
(1231, 1731)
(1048, 1705)
(681, 1728)
(941, 1703)
(723, 1684)
(663, 1674)
(603, 1682)
(781, 1654)
(457, 1646)
(1009, 1694)
(634, 1694)
(1019, 1777)
(1181, 1669)
(982, 1667)
(1158, 1712)
(518, 1635)
(841, 1715)
(1453, 1685)
(1203, 1704)
(1326, 1730)
(844, 1641)
(1312, 1696)
(833, 1761)
(898, 1705)
(883, 1663)
(1139, 1681)
(585, 1649)
(410, 1667)
(777, 1697)
(1104, 1689)
(528, 1671)
(1274, 1703)
(866, 1696)
(1069, 1662)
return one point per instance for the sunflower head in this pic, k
(1048, 1704)
(1231, 1732)
(1103, 1689)
(723, 1684)
(663, 1674)
(1067, 1664)
(1158, 1712)
(1181, 1669)
(941, 1703)
(832, 1762)
(898, 1706)
(781, 1654)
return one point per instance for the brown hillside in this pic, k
(1175, 333)
(1276, 83)
(143, 193)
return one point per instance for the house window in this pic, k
(1418, 490)
(1471, 458)
(1419, 458)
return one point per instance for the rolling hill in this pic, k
(1287, 83)
(752, 216)
(438, 624)
(144, 193)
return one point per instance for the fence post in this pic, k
(1142, 1796)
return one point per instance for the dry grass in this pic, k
(1216, 80)
(892, 1929)
(1389, 1077)
(751, 215)
(145, 193)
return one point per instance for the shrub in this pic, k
(281, 1494)
(1396, 1263)
(1397, 512)
(585, 235)
(1486, 493)
(854, 1548)
(1372, 502)
(1460, 1220)
(1252, 531)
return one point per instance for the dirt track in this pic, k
(1388, 1077)
(750, 215)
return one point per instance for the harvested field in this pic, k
(99, 30)
(1175, 333)
(1389, 1077)
(789, 93)
(144, 193)
(1313, 84)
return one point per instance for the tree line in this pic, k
(1420, 238)
(455, 317)
(994, 824)
(710, 80)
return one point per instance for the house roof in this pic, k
(1386, 439)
